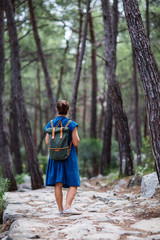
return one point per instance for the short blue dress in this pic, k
(66, 171)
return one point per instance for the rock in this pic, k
(151, 225)
(26, 229)
(149, 184)
(102, 236)
(135, 181)
(77, 231)
(119, 184)
(99, 176)
(87, 184)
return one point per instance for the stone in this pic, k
(87, 184)
(102, 236)
(151, 225)
(77, 231)
(26, 229)
(149, 184)
(119, 184)
(135, 181)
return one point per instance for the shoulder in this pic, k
(73, 125)
(49, 125)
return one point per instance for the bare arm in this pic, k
(47, 139)
(75, 137)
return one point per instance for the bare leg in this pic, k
(70, 196)
(59, 195)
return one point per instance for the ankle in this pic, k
(61, 209)
(67, 207)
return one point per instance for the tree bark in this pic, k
(79, 66)
(148, 70)
(102, 115)
(15, 144)
(114, 92)
(148, 36)
(106, 150)
(35, 112)
(137, 119)
(5, 156)
(43, 60)
(84, 104)
(93, 125)
(80, 30)
(36, 177)
(62, 71)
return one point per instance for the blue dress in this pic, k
(67, 171)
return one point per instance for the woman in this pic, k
(64, 173)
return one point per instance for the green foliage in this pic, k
(20, 178)
(148, 163)
(112, 176)
(4, 185)
(42, 163)
(114, 155)
(89, 154)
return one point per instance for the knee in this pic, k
(59, 185)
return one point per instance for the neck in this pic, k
(59, 115)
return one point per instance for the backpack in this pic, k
(58, 141)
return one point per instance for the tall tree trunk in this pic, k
(93, 125)
(5, 156)
(84, 103)
(148, 35)
(42, 59)
(80, 30)
(35, 113)
(40, 110)
(137, 120)
(36, 177)
(114, 92)
(15, 144)
(62, 71)
(106, 150)
(148, 70)
(79, 66)
(102, 117)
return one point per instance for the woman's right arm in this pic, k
(47, 139)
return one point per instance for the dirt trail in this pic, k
(107, 212)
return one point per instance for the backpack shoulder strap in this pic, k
(68, 123)
(52, 123)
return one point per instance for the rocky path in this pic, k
(108, 213)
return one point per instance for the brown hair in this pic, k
(62, 107)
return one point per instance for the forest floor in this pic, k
(108, 212)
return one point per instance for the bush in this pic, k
(148, 163)
(43, 160)
(20, 178)
(4, 185)
(89, 154)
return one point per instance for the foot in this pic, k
(71, 211)
(60, 212)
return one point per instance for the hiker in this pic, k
(64, 173)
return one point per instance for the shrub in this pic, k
(148, 163)
(42, 163)
(89, 154)
(4, 185)
(20, 178)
